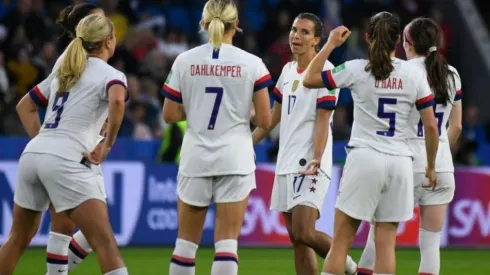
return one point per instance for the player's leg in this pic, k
(62, 228)
(395, 206)
(30, 199)
(368, 256)
(358, 197)
(77, 190)
(308, 196)
(231, 197)
(195, 196)
(433, 208)
(345, 228)
(305, 261)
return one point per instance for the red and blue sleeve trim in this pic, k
(326, 102)
(38, 97)
(425, 102)
(328, 80)
(171, 94)
(263, 82)
(459, 95)
(277, 95)
(116, 82)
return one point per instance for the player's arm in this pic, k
(173, 112)
(455, 125)
(259, 133)
(28, 114)
(117, 98)
(322, 127)
(314, 77)
(425, 105)
(262, 108)
(28, 106)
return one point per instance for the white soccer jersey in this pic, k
(382, 108)
(73, 119)
(298, 116)
(444, 160)
(216, 89)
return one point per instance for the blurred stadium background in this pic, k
(140, 173)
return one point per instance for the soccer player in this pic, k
(422, 38)
(56, 164)
(60, 241)
(377, 180)
(305, 134)
(213, 87)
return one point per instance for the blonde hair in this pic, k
(219, 16)
(91, 33)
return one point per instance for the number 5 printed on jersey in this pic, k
(58, 108)
(391, 116)
(217, 102)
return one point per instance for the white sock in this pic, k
(78, 250)
(368, 257)
(350, 266)
(183, 260)
(225, 258)
(324, 273)
(430, 259)
(57, 254)
(119, 271)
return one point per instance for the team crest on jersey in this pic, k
(338, 68)
(295, 85)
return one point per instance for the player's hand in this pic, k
(432, 176)
(311, 168)
(99, 154)
(338, 36)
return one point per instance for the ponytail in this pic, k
(72, 66)
(379, 53)
(438, 73)
(216, 31)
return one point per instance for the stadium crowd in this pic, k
(151, 34)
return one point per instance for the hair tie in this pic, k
(217, 17)
(81, 38)
(432, 49)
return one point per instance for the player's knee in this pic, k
(103, 238)
(303, 235)
(65, 227)
(384, 243)
(21, 239)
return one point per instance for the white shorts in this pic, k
(443, 194)
(376, 186)
(67, 184)
(295, 189)
(202, 191)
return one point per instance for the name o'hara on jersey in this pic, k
(393, 83)
(216, 70)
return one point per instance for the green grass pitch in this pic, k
(153, 261)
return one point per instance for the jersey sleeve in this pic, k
(457, 83)
(117, 78)
(262, 77)
(40, 93)
(172, 87)
(341, 76)
(277, 91)
(326, 99)
(425, 98)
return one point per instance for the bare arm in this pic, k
(262, 109)
(320, 138)
(260, 133)
(455, 126)
(117, 96)
(173, 112)
(431, 136)
(27, 111)
(313, 75)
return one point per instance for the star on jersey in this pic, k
(313, 180)
(312, 189)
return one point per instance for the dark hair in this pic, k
(70, 16)
(383, 33)
(317, 24)
(423, 34)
